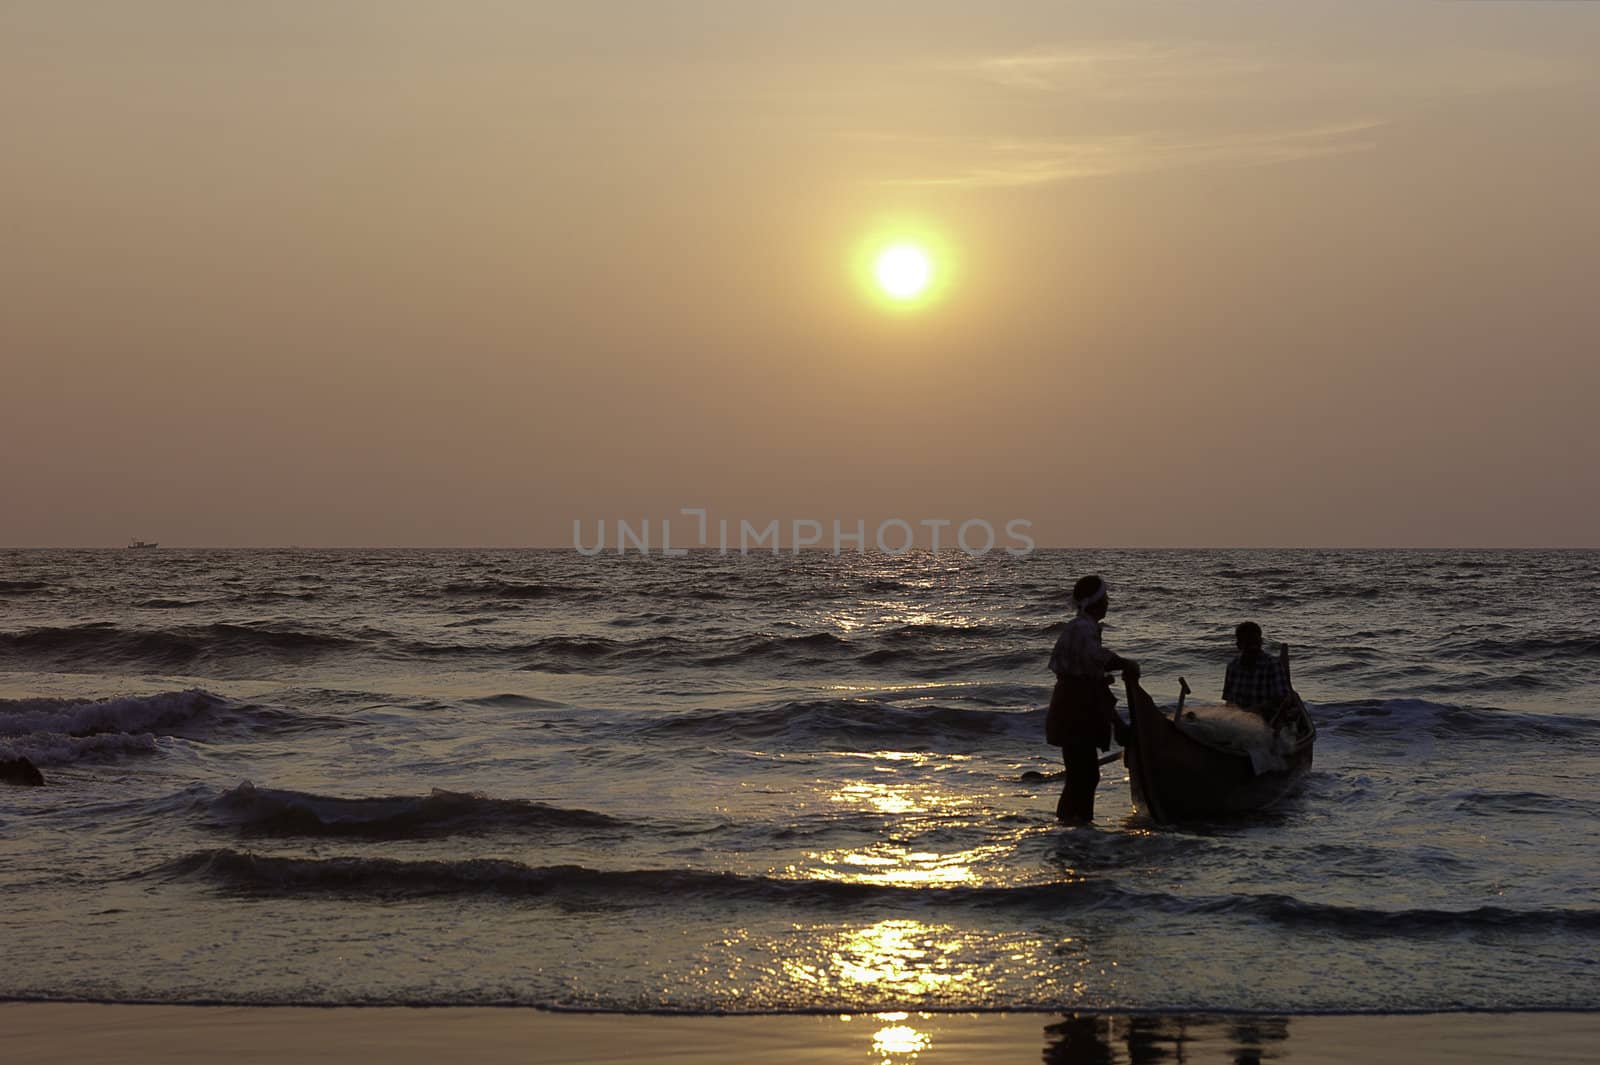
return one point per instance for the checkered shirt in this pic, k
(1253, 683)
(1078, 652)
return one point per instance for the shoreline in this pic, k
(46, 1032)
(1225, 1013)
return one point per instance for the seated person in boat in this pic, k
(1255, 680)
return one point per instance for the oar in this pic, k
(1033, 776)
(1290, 698)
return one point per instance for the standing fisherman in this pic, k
(1083, 710)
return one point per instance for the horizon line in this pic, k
(791, 552)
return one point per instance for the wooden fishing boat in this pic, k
(1175, 776)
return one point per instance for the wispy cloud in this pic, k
(1116, 70)
(1155, 70)
(1022, 162)
(1064, 109)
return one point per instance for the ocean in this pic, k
(720, 784)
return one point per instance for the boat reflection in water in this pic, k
(1094, 1039)
(1084, 1039)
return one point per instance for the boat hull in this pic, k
(1175, 777)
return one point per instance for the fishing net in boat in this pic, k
(1236, 731)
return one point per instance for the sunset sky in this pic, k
(406, 273)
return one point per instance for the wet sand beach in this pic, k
(46, 1033)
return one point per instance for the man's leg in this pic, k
(1082, 761)
(1064, 804)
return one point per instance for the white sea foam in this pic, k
(64, 731)
(57, 749)
(127, 714)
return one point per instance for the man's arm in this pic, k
(1108, 707)
(1229, 684)
(1130, 671)
(1099, 656)
(1117, 663)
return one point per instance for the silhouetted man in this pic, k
(1083, 710)
(1254, 680)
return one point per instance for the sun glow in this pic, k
(903, 271)
(905, 265)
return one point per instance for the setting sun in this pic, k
(905, 264)
(903, 271)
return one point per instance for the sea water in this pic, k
(725, 784)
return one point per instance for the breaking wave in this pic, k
(1413, 716)
(270, 812)
(834, 722)
(359, 877)
(107, 645)
(129, 714)
(63, 731)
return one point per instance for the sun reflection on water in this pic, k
(898, 1042)
(926, 814)
(896, 964)
(898, 797)
(899, 866)
(910, 958)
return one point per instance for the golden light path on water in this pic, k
(903, 961)
(898, 1041)
(924, 806)
(900, 963)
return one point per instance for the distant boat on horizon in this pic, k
(142, 545)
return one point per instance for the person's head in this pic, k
(1091, 595)
(1248, 637)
